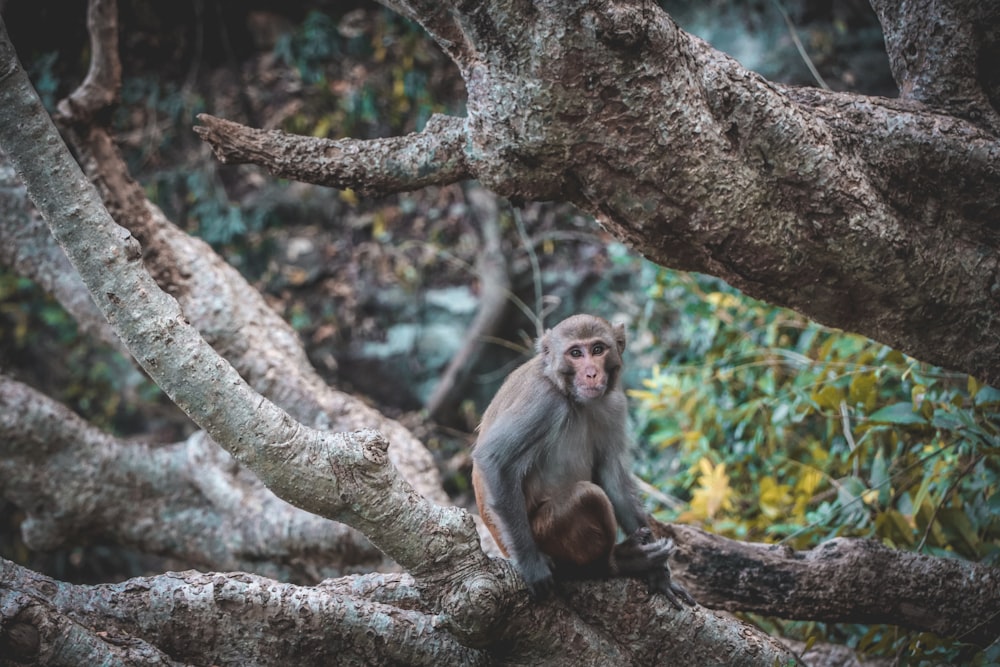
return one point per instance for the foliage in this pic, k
(41, 345)
(43, 76)
(779, 429)
(390, 94)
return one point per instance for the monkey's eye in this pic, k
(598, 349)
(575, 352)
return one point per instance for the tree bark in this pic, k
(872, 215)
(842, 580)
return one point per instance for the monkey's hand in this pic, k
(639, 553)
(536, 570)
(642, 556)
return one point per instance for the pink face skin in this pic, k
(590, 378)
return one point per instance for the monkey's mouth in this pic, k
(589, 392)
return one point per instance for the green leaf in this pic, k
(897, 413)
(880, 479)
(987, 395)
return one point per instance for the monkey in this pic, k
(550, 469)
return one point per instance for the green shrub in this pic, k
(774, 428)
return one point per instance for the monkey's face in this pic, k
(590, 367)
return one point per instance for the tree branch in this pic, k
(74, 481)
(103, 82)
(288, 624)
(842, 580)
(815, 201)
(435, 156)
(494, 282)
(35, 632)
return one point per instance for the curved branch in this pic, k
(842, 580)
(494, 281)
(435, 156)
(439, 20)
(103, 82)
(75, 481)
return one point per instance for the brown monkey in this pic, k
(550, 466)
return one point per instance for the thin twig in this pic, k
(802, 49)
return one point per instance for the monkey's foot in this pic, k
(660, 582)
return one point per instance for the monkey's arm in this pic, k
(613, 476)
(504, 455)
(639, 554)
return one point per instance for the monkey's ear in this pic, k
(619, 332)
(542, 344)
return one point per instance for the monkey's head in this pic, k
(582, 356)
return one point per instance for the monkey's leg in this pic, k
(484, 512)
(577, 530)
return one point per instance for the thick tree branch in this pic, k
(703, 165)
(842, 580)
(74, 481)
(435, 156)
(288, 624)
(35, 632)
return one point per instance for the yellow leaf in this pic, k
(713, 493)
(809, 481)
(721, 300)
(641, 395)
(379, 226)
(322, 128)
(829, 397)
(774, 497)
(973, 386)
(862, 390)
